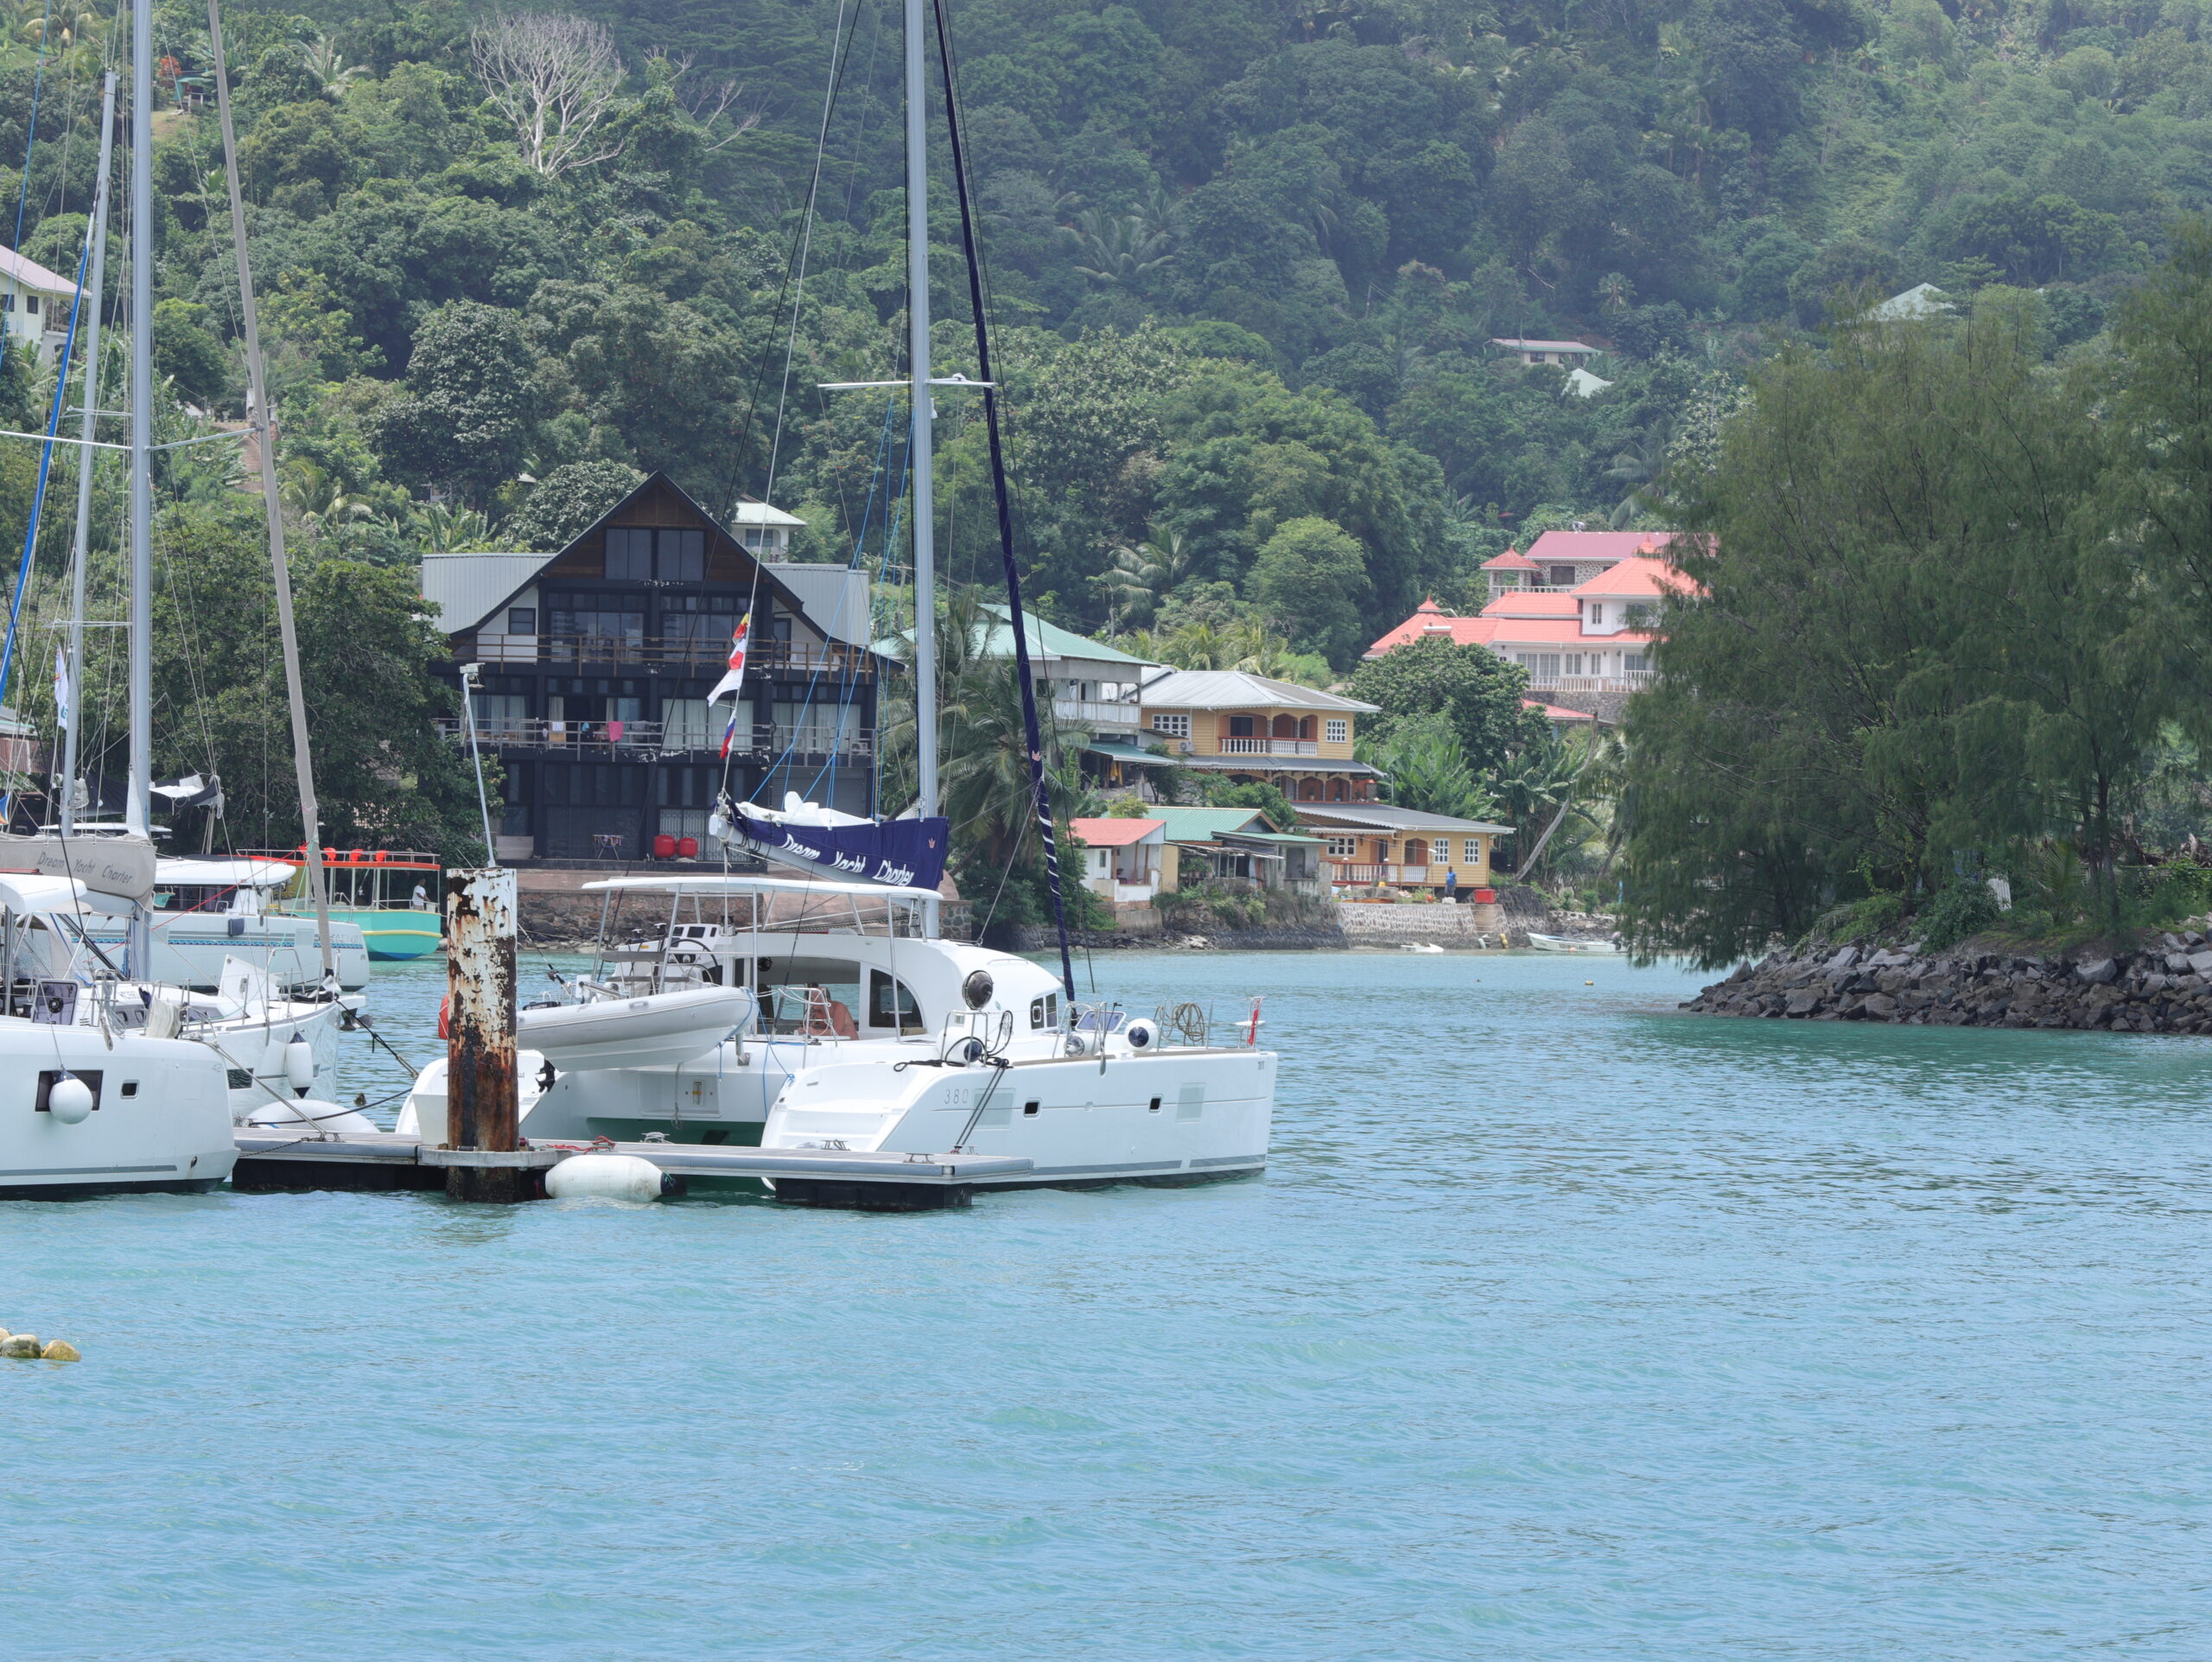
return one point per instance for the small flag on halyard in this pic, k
(729, 733)
(61, 685)
(727, 686)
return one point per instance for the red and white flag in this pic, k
(728, 685)
(733, 680)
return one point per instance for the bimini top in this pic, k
(224, 873)
(752, 883)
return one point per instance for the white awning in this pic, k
(752, 883)
(25, 892)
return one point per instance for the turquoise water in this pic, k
(1563, 1327)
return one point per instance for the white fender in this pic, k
(607, 1178)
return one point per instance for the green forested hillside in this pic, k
(1246, 253)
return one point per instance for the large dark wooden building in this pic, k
(596, 663)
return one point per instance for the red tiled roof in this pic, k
(1459, 630)
(1555, 712)
(1511, 560)
(1113, 833)
(1641, 577)
(1597, 545)
(1524, 605)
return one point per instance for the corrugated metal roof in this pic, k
(1205, 824)
(760, 513)
(463, 589)
(1380, 816)
(1234, 689)
(833, 598)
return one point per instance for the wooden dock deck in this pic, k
(854, 1180)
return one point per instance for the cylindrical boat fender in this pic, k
(69, 1099)
(299, 1064)
(610, 1177)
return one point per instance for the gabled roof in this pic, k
(1546, 346)
(462, 603)
(1205, 824)
(1644, 577)
(1556, 713)
(1380, 816)
(1597, 545)
(1115, 834)
(1922, 300)
(1511, 560)
(1234, 689)
(21, 273)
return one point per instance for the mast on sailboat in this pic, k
(91, 302)
(925, 510)
(138, 809)
(262, 417)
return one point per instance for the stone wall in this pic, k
(2164, 988)
(1374, 924)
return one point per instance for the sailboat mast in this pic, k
(273, 508)
(918, 325)
(138, 811)
(95, 297)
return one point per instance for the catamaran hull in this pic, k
(162, 1122)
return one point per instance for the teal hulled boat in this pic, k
(391, 895)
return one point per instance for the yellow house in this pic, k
(1372, 845)
(1253, 728)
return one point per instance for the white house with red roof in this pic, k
(1124, 861)
(1595, 638)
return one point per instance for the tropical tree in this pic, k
(326, 63)
(1424, 768)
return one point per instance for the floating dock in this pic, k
(853, 1180)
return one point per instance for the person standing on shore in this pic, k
(1451, 887)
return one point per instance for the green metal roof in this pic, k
(1046, 641)
(1202, 824)
(1272, 836)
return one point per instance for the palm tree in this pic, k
(1638, 467)
(317, 497)
(1119, 248)
(1615, 292)
(453, 531)
(327, 65)
(1538, 786)
(1143, 574)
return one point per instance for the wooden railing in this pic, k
(674, 652)
(646, 738)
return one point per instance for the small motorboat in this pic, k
(1571, 943)
(603, 1029)
(1423, 946)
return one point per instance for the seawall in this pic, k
(2164, 987)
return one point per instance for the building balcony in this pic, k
(1270, 747)
(1633, 681)
(1368, 873)
(708, 656)
(1095, 715)
(644, 739)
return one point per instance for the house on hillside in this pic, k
(35, 304)
(1372, 845)
(1593, 638)
(1253, 728)
(1570, 354)
(1568, 559)
(1512, 569)
(595, 662)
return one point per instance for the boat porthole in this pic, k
(1154, 1108)
(1029, 1107)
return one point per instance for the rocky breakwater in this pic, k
(2165, 986)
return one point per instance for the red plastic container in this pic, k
(664, 846)
(1485, 896)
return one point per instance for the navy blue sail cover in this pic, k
(902, 853)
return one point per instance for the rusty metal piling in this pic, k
(482, 1113)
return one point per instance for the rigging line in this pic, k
(1041, 791)
(38, 497)
(840, 55)
(30, 142)
(798, 292)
